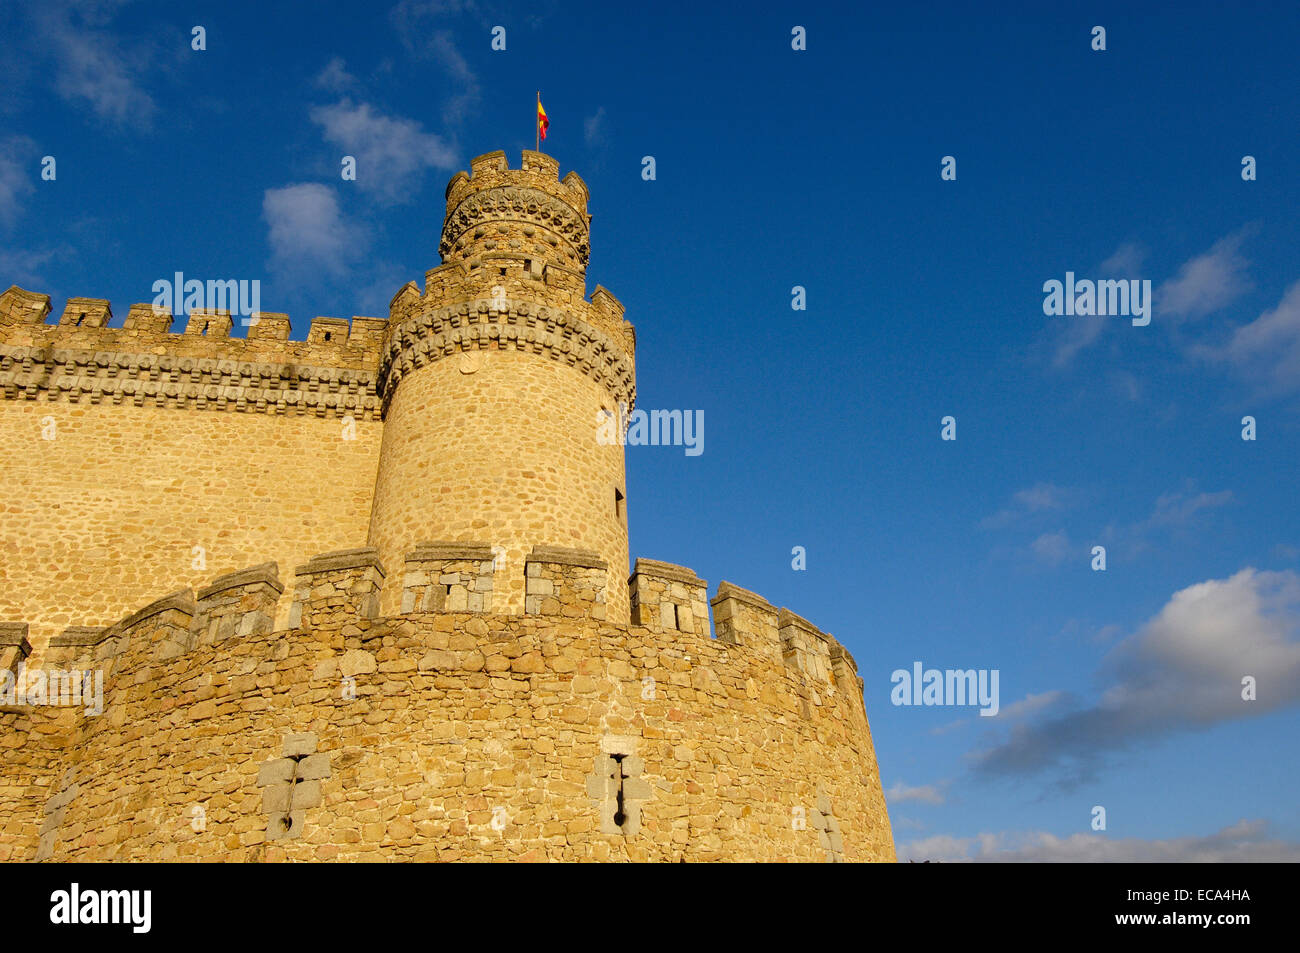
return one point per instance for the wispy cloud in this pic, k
(423, 26)
(901, 793)
(1265, 352)
(1031, 705)
(1125, 262)
(17, 171)
(1080, 333)
(593, 129)
(443, 47)
(1181, 671)
(391, 151)
(91, 65)
(1039, 498)
(1051, 548)
(1247, 841)
(308, 233)
(1208, 282)
(1174, 513)
(335, 78)
(25, 268)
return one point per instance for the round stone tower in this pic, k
(495, 380)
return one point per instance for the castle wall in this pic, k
(124, 449)
(436, 736)
(482, 681)
(500, 446)
(119, 500)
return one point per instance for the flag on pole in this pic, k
(542, 121)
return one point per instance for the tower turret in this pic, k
(493, 380)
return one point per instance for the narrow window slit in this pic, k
(620, 817)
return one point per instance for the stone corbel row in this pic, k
(34, 373)
(515, 325)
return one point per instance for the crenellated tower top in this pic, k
(529, 212)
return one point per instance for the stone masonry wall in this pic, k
(502, 447)
(440, 736)
(132, 454)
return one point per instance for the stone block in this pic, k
(298, 745)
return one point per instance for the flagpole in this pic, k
(537, 122)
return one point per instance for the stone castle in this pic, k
(457, 664)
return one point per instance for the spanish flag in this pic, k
(542, 121)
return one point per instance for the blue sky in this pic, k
(820, 168)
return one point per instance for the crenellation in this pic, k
(147, 337)
(804, 646)
(488, 163)
(86, 313)
(328, 331)
(76, 647)
(14, 646)
(845, 669)
(209, 324)
(565, 582)
(148, 318)
(622, 764)
(498, 209)
(745, 618)
(334, 587)
(238, 605)
(161, 631)
(366, 333)
(506, 324)
(269, 326)
(23, 307)
(449, 577)
(668, 597)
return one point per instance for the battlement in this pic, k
(461, 311)
(337, 593)
(83, 358)
(294, 730)
(536, 170)
(85, 322)
(528, 210)
(14, 647)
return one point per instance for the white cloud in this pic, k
(593, 129)
(391, 152)
(900, 793)
(17, 170)
(442, 45)
(1039, 498)
(1179, 508)
(1080, 333)
(1207, 282)
(1173, 512)
(1244, 842)
(1125, 262)
(23, 268)
(1031, 704)
(308, 233)
(89, 64)
(424, 29)
(1267, 350)
(1051, 548)
(1181, 671)
(335, 78)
